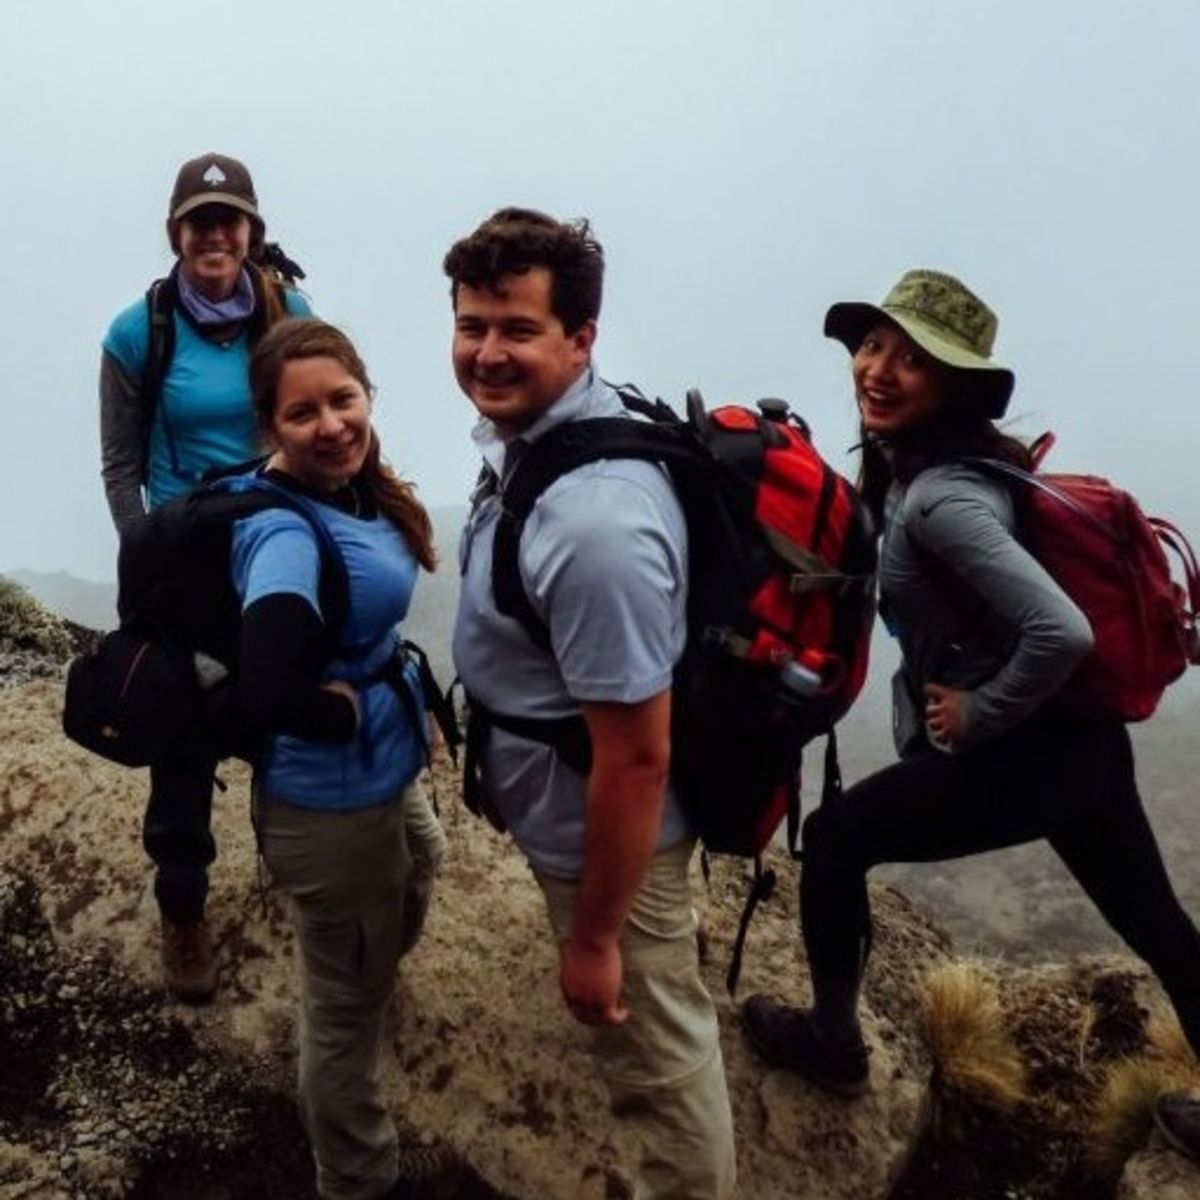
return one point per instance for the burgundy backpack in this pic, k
(1110, 558)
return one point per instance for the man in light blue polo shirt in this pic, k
(603, 560)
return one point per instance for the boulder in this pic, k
(485, 1057)
(1159, 1173)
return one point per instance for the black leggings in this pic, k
(1062, 777)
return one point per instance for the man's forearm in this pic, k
(631, 749)
(624, 813)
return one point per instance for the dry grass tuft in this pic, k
(1125, 1112)
(1125, 1109)
(964, 1027)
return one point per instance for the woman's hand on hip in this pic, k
(945, 715)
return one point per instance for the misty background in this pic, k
(745, 165)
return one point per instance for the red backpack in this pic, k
(1111, 559)
(781, 581)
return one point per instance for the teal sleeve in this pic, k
(127, 340)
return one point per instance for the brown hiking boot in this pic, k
(189, 966)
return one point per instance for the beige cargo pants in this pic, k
(348, 875)
(663, 1067)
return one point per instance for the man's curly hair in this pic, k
(515, 240)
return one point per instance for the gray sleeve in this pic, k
(123, 439)
(968, 530)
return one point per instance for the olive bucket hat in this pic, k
(944, 318)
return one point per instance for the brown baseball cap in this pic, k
(213, 179)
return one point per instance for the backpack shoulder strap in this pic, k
(560, 451)
(1047, 486)
(160, 314)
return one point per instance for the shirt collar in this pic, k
(588, 396)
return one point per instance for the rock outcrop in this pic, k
(1158, 1173)
(115, 1091)
(485, 1056)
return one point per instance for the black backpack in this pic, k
(143, 690)
(781, 573)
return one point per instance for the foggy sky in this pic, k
(745, 165)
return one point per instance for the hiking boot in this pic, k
(783, 1036)
(1177, 1116)
(189, 966)
(428, 1170)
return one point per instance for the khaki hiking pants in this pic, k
(348, 876)
(663, 1067)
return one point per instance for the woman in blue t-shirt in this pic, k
(175, 403)
(337, 781)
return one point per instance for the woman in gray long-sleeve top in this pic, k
(989, 756)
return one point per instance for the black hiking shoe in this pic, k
(1177, 1116)
(783, 1036)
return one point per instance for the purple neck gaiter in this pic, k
(235, 307)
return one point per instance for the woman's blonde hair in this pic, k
(308, 337)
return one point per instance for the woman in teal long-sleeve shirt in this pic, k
(174, 404)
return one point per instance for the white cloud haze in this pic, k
(745, 165)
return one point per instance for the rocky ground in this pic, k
(109, 1090)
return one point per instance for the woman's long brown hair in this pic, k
(308, 337)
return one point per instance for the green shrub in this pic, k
(26, 625)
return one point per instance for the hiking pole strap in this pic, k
(476, 736)
(831, 789)
(793, 813)
(761, 888)
(437, 702)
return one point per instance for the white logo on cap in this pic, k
(213, 176)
